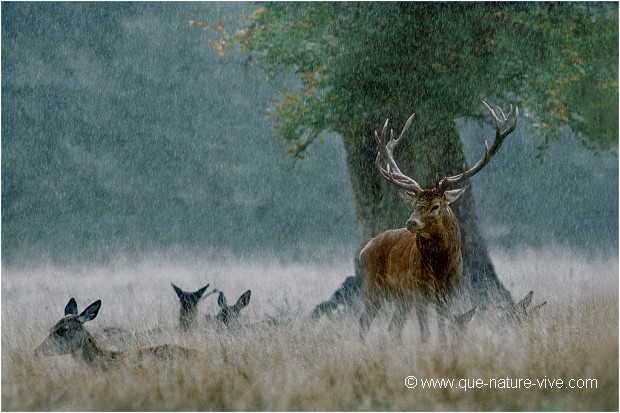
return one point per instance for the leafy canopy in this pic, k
(557, 61)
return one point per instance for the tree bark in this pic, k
(430, 149)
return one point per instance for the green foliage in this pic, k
(558, 61)
(571, 56)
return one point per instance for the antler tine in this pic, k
(502, 129)
(386, 150)
(502, 112)
(406, 127)
(383, 132)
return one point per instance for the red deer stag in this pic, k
(422, 263)
(69, 336)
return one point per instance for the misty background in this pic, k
(124, 133)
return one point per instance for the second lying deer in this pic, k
(229, 315)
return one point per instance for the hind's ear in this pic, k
(525, 303)
(71, 307)
(179, 292)
(469, 315)
(221, 300)
(537, 307)
(90, 312)
(200, 292)
(244, 300)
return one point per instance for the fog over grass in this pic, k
(293, 363)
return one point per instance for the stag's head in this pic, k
(68, 334)
(431, 207)
(431, 210)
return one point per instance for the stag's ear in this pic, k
(454, 194)
(71, 307)
(408, 197)
(90, 312)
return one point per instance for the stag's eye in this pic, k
(435, 209)
(62, 331)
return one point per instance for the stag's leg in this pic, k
(371, 308)
(420, 309)
(403, 308)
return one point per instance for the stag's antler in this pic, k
(502, 129)
(386, 151)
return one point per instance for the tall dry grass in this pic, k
(298, 364)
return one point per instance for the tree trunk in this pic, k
(429, 149)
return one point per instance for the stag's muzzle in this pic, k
(414, 224)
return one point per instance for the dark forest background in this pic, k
(124, 132)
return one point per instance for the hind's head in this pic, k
(229, 314)
(68, 335)
(189, 305)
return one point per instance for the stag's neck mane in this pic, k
(441, 251)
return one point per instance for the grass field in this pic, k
(297, 364)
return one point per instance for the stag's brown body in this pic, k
(414, 266)
(426, 263)
(422, 263)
